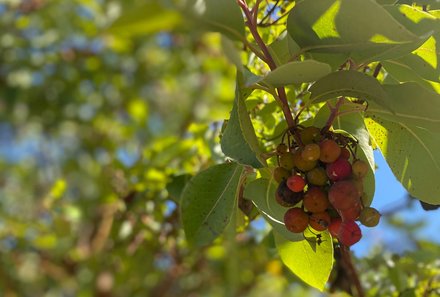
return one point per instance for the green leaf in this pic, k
(262, 194)
(176, 185)
(412, 104)
(353, 123)
(147, 18)
(310, 261)
(220, 16)
(348, 83)
(283, 49)
(208, 202)
(239, 140)
(296, 73)
(345, 26)
(232, 53)
(412, 154)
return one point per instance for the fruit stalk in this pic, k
(333, 113)
(346, 257)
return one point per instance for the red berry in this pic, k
(352, 213)
(344, 195)
(315, 200)
(296, 220)
(345, 153)
(334, 226)
(296, 183)
(320, 221)
(285, 197)
(349, 233)
(330, 151)
(338, 170)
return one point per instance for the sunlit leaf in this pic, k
(351, 84)
(412, 154)
(296, 73)
(208, 202)
(308, 259)
(345, 26)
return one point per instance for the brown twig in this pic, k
(334, 112)
(251, 16)
(377, 70)
(346, 257)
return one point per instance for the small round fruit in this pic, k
(287, 161)
(369, 217)
(352, 213)
(281, 149)
(339, 169)
(302, 164)
(360, 168)
(349, 233)
(285, 197)
(335, 226)
(296, 220)
(280, 174)
(345, 153)
(317, 176)
(310, 134)
(320, 221)
(315, 200)
(344, 195)
(311, 152)
(296, 183)
(330, 151)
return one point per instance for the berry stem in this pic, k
(346, 257)
(333, 113)
(252, 23)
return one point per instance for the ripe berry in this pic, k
(296, 220)
(287, 161)
(335, 226)
(369, 217)
(338, 170)
(352, 213)
(315, 200)
(281, 149)
(302, 164)
(296, 183)
(330, 151)
(349, 233)
(310, 134)
(317, 176)
(280, 173)
(311, 152)
(320, 221)
(360, 168)
(344, 195)
(345, 153)
(285, 197)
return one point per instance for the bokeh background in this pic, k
(98, 134)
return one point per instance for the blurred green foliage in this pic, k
(98, 135)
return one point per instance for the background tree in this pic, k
(108, 108)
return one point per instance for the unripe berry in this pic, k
(281, 149)
(338, 170)
(310, 134)
(343, 195)
(280, 174)
(360, 168)
(335, 226)
(320, 221)
(317, 176)
(330, 151)
(285, 197)
(349, 233)
(287, 161)
(301, 164)
(315, 200)
(369, 217)
(296, 220)
(296, 183)
(311, 152)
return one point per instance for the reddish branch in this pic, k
(346, 257)
(334, 112)
(251, 16)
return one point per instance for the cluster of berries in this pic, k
(324, 174)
